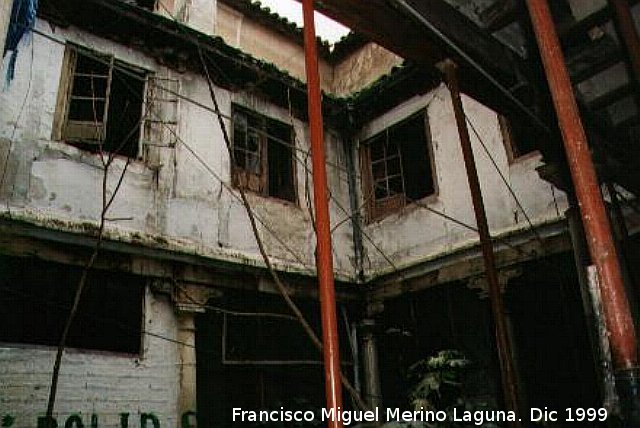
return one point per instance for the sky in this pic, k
(326, 28)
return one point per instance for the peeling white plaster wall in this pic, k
(101, 383)
(184, 207)
(416, 234)
(188, 209)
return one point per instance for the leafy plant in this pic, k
(439, 386)
(438, 380)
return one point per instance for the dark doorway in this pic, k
(551, 337)
(419, 325)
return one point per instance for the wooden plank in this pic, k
(498, 15)
(476, 42)
(590, 60)
(379, 21)
(610, 97)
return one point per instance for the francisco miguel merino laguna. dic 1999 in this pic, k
(347, 417)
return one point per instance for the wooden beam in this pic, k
(380, 22)
(626, 124)
(573, 33)
(611, 97)
(467, 263)
(577, 31)
(593, 59)
(499, 15)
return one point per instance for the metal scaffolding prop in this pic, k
(324, 255)
(508, 376)
(600, 241)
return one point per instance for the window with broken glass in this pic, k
(100, 103)
(263, 155)
(397, 166)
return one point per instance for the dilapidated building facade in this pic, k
(126, 133)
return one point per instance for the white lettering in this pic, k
(236, 413)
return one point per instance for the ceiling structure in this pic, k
(493, 43)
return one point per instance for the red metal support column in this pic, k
(600, 241)
(324, 256)
(508, 377)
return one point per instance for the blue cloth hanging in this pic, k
(23, 17)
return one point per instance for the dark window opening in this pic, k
(104, 104)
(280, 162)
(416, 326)
(258, 362)
(551, 335)
(36, 297)
(518, 139)
(550, 339)
(397, 166)
(262, 148)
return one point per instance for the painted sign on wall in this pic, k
(147, 420)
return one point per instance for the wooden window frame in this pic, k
(257, 181)
(378, 209)
(510, 144)
(86, 132)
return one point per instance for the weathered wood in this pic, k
(610, 97)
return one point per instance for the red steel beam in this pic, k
(324, 256)
(508, 377)
(594, 216)
(616, 310)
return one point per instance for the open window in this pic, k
(397, 166)
(100, 103)
(263, 155)
(518, 139)
(36, 297)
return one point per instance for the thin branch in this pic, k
(81, 286)
(274, 275)
(115, 190)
